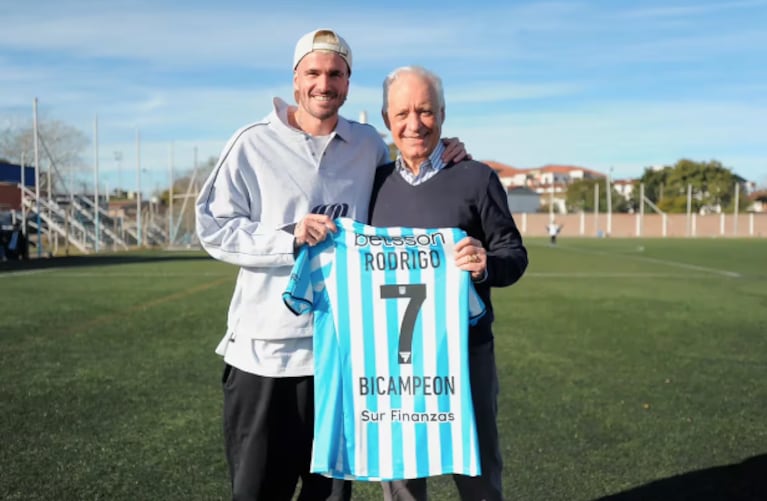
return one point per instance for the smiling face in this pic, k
(414, 116)
(320, 86)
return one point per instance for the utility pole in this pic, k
(96, 205)
(23, 196)
(171, 236)
(118, 155)
(37, 180)
(139, 241)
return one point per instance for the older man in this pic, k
(278, 184)
(420, 190)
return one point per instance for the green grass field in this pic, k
(630, 369)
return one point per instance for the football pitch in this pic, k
(629, 369)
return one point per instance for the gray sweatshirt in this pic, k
(267, 178)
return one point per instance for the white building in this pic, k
(548, 182)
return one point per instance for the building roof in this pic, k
(567, 169)
(521, 190)
(503, 170)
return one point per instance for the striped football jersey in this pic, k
(391, 317)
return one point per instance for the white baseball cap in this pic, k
(322, 39)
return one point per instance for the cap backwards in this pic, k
(322, 39)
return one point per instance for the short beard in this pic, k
(331, 114)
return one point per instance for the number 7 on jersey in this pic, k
(417, 295)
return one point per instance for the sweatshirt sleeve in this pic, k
(228, 213)
(506, 254)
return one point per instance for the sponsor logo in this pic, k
(422, 240)
(332, 210)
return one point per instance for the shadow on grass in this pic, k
(746, 481)
(103, 260)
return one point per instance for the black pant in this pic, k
(268, 429)
(484, 396)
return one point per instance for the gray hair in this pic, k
(434, 82)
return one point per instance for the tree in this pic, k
(60, 145)
(712, 184)
(181, 183)
(655, 181)
(393, 151)
(580, 196)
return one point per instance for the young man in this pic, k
(278, 184)
(421, 190)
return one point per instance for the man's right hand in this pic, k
(313, 229)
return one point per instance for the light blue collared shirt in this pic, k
(427, 170)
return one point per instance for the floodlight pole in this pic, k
(96, 205)
(118, 156)
(23, 196)
(139, 241)
(36, 141)
(49, 182)
(171, 236)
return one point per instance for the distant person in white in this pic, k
(553, 229)
(277, 185)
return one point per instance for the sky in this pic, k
(601, 84)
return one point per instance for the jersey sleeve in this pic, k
(299, 294)
(477, 307)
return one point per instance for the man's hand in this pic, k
(472, 257)
(455, 151)
(313, 229)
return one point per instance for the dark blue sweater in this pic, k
(466, 195)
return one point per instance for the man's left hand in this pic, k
(472, 257)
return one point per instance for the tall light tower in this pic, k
(138, 188)
(118, 155)
(96, 205)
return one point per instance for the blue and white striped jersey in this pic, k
(391, 316)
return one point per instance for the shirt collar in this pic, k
(427, 169)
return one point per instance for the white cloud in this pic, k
(590, 84)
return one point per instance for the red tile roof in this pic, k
(503, 170)
(566, 169)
